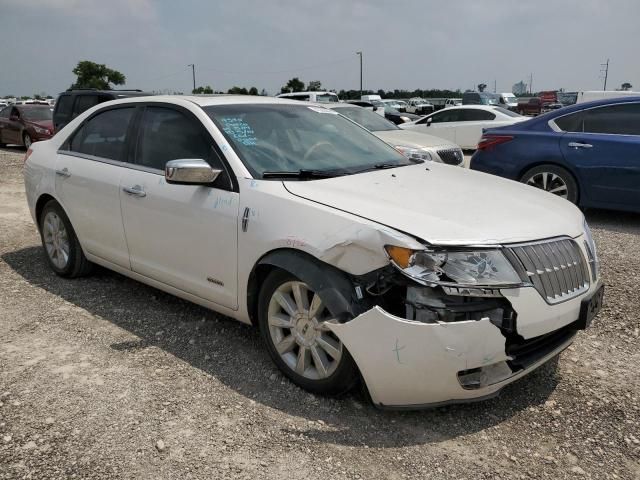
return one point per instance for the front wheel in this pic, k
(293, 323)
(26, 141)
(552, 179)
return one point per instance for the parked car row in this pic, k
(25, 124)
(429, 283)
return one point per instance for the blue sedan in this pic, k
(588, 153)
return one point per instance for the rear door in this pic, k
(603, 143)
(469, 129)
(88, 169)
(4, 123)
(185, 236)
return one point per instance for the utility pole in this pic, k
(360, 54)
(531, 84)
(495, 88)
(193, 73)
(605, 69)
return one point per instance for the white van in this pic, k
(318, 97)
(508, 101)
(602, 94)
(369, 98)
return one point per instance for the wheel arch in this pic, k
(334, 286)
(40, 203)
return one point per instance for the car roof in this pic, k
(473, 107)
(216, 99)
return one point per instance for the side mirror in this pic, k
(429, 120)
(375, 109)
(190, 172)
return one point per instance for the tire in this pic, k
(553, 179)
(292, 336)
(26, 140)
(60, 243)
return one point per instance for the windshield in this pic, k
(289, 138)
(510, 98)
(504, 111)
(36, 114)
(327, 98)
(368, 119)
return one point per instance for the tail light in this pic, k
(27, 155)
(487, 142)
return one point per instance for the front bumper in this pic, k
(411, 364)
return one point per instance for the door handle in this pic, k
(136, 191)
(63, 173)
(580, 145)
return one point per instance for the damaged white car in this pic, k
(430, 284)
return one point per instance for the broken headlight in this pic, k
(469, 268)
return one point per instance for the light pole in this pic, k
(605, 71)
(360, 54)
(193, 73)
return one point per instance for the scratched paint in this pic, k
(397, 350)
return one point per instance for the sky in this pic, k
(406, 44)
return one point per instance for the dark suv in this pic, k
(73, 102)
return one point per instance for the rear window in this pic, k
(324, 98)
(63, 105)
(84, 103)
(103, 135)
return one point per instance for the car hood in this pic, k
(447, 206)
(411, 138)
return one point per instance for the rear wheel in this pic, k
(294, 323)
(552, 179)
(61, 246)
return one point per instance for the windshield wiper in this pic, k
(302, 174)
(384, 166)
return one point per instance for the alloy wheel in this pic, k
(298, 319)
(27, 140)
(549, 182)
(56, 240)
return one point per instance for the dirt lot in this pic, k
(103, 377)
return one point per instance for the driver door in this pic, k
(185, 236)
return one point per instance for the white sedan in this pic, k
(463, 125)
(432, 284)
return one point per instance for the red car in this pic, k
(25, 124)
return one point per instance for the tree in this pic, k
(481, 87)
(264, 93)
(94, 75)
(238, 91)
(253, 91)
(202, 90)
(293, 85)
(626, 86)
(314, 86)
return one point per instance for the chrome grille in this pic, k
(451, 156)
(556, 268)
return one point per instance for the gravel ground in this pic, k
(103, 377)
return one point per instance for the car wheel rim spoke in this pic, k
(549, 182)
(56, 240)
(298, 326)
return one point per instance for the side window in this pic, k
(473, 115)
(63, 105)
(4, 113)
(168, 134)
(621, 119)
(446, 116)
(84, 103)
(571, 123)
(104, 135)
